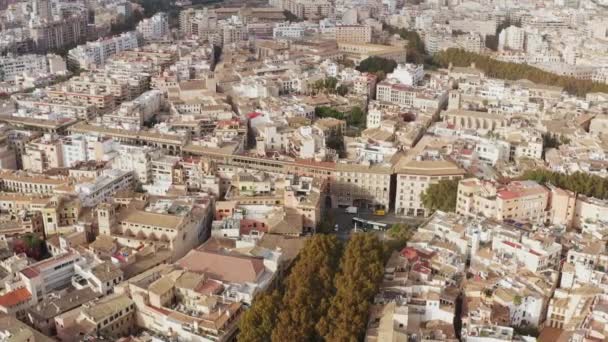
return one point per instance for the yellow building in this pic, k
(414, 178)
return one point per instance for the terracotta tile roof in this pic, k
(231, 268)
(30, 272)
(15, 297)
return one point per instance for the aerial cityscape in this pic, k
(304, 170)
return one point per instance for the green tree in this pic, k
(328, 112)
(258, 322)
(578, 182)
(357, 117)
(330, 83)
(513, 71)
(342, 90)
(308, 290)
(441, 196)
(375, 64)
(336, 142)
(527, 330)
(361, 271)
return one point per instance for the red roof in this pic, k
(421, 269)
(224, 267)
(253, 115)
(15, 297)
(512, 244)
(466, 152)
(409, 253)
(506, 194)
(30, 272)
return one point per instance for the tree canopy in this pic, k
(515, 71)
(257, 322)
(375, 64)
(361, 271)
(441, 196)
(355, 117)
(415, 52)
(578, 182)
(308, 290)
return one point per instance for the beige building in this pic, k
(589, 210)
(359, 51)
(518, 200)
(30, 183)
(360, 185)
(353, 34)
(414, 178)
(178, 225)
(43, 154)
(201, 313)
(111, 317)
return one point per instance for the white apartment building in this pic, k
(288, 30)
(413, 180)
(103, 187)
(408, 74)
(81, 147)
(93, 55)
(137, 159)
(155, 27)
(12, 66)
(512, 38)
(50, 275)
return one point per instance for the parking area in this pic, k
(345, 224)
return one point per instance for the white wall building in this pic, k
(94, 54)
(512, 38)
(137, 159)
(408, 74)
(103, 187)
(155, 27)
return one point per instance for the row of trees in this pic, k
(416, 52)
(355, 117)
(553, 140)
(579, 182)
(326, 296)
(378, 66)
(516, 71)
(441, 196)
(329, 85)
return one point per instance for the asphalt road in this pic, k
(346, 227)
